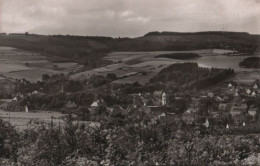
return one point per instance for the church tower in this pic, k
(164, 99)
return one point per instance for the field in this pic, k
(22, 120)
(148, 64)
(26, 120)
(19, 64)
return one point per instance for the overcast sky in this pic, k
(128, 17)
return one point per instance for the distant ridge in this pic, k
(167, 33)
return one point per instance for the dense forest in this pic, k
(250, 62)
(179, 56)
(190, 76)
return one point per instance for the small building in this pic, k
(35, 92)
(236, 94)
(6, 100)
(158, 94)
(15, 99)
(95, 104)
(248, 91)
(255, 86)
(237, 111)
(222, 106)
(210, 94)
(253, 111)
(230, 85)
(71, 105)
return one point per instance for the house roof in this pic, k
(94, 104)
(255, 86)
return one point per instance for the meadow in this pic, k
(18, 64)
(23, 120)
(149, 64)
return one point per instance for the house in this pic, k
(253, 94)
(230, 85)
(222, 106)
(252, 111)
(236, 94)
(210, 94)
(255, 86)
(35, 92)
(14, 99)
(71, 105)
(95, 104)
(248, 91)
(6, 100)
(215, 114)
(237, 111)
(158, 94)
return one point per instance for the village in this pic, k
(225, 105)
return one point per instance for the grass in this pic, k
(148, 63)
(23, 120)
(20, 64)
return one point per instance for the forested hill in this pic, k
(174, 41)
(191, 76)
(90, 50)
(84, 50)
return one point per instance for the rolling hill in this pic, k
(89, 51)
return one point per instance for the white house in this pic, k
(95, 104)
(14, 99)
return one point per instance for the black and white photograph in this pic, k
(129, 82)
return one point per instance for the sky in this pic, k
(128, 18)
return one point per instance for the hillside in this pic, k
(190, 76)
(84, 50)
(173, 41)
(90, 50)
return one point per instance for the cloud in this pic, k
(126, 13)
(128, 17)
